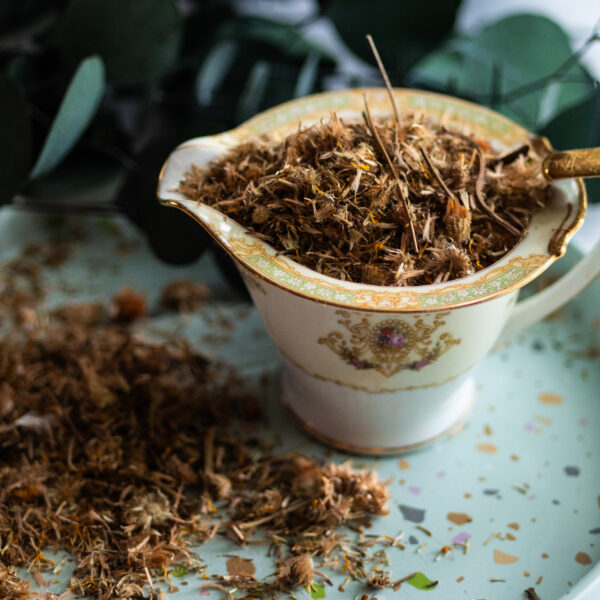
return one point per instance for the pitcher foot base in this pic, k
(379, 423)
(372, 450)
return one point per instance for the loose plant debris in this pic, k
(22, 284)
(384, 202)
(11, 586)
(127, 453)
(184, 296)
(531, 594)
(128, 306)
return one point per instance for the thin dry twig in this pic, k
(386, 79)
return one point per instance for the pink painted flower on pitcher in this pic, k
(390, 337)
(396, 340)
(418, 364)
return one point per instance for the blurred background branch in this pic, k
(95, 93)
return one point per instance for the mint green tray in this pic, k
(525, 469)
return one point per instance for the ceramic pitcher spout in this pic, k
(198, 152)
(224, 230)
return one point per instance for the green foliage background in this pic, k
(95, 93)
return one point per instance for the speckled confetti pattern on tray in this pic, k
(520, 484)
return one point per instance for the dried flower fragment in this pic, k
(296, 572)
(184, 296)
(128, 306)
(11, 587)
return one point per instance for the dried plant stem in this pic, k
(217, 586)
(291, 507)
(436, 174)
(405, 202)
(531, 594)
(386, 79)
(480, 182)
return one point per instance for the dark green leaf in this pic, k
(403, 31)
(214, 69)
(77, 109)
(23, 28)
(578, 127)
(308, 75)
(15, 139)
(500, 65)
(138, 40)
(171, 234)
(83, 178)
(284, 37)
(254, 90)
(21, 14)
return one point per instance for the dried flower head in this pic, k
(448, 261)
(296, 572)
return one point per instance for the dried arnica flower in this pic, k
(380, 202)
(296, 572)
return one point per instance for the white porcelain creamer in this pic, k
(384, 369)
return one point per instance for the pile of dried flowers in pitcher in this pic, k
(392, 202)
(127, 453)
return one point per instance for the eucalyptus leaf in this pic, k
(254, 90)
(308, 75)
(403, 31)
(500, 66)
(138, 40)
(15, 139)
(214, 69)
(173, 236)
(286, 38)
(77, 109)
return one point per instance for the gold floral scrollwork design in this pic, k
(246, 246)
(391, 345)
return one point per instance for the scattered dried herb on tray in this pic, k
(128, 306)
(184, 296)
(22, 286)
(11, 586)
(127, 453)
(383, 202)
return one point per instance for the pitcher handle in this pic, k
(533, 309)
(584, 162)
